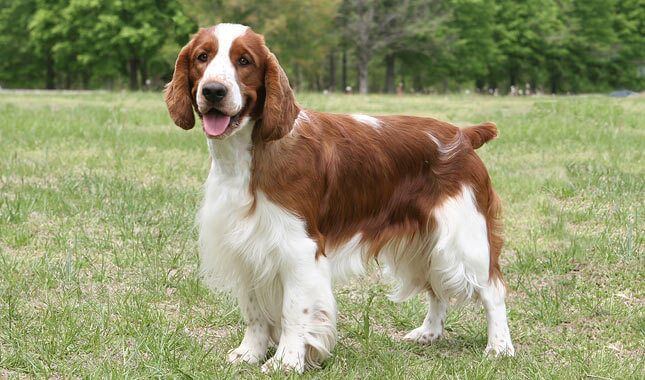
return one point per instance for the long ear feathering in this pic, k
(280, 108)
(177, 93)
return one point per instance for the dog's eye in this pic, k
(202, 57)
(243, 61)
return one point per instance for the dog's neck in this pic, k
(231, 157)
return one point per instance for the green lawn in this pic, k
(98, 257)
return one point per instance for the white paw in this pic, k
(423, 335)
(244, 355)
(289, 361)
(500, 348)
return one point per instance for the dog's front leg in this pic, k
(308, 310)
(257, 337)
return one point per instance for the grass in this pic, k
(98, 260)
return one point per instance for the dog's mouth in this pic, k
(217, 124)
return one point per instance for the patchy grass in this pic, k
(98, 260)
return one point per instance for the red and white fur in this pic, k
(297, 198)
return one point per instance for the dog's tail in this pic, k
(481, 133)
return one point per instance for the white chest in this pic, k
(237, 245)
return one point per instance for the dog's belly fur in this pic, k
(451, 261)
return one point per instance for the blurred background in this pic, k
(99, 273)
(412, 46)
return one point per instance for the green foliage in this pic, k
(552, 45)
(474, 23)
(88, 43)
(19, 64)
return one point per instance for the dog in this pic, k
(297, 199)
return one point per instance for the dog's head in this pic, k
(228, 76)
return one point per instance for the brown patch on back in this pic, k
(344, 177)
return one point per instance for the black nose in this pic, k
(214, 92)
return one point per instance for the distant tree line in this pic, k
(89, 43)
(553, 46)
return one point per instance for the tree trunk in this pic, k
(492, 81)
(512, 77)
(417, 83)
(389, 73)
(318, 81)
(50, 76)
(299, 78)
(344, 70)
(363, 75)
(534, 85)
(134, 67)
(363, 85)
(480, 85)
(68, 80)
(85, 80)
(331, 86)
(143, 71)
(554, 79)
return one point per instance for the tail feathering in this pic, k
(481, 133)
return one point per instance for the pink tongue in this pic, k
(215, 123)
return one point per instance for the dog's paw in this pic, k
(244, 355)
(500, 348)
(289, 361)
(422, 335)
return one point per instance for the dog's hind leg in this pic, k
(499, 336)
(432, 327)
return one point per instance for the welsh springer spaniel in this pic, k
(296, 198)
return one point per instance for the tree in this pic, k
(416, 28)
(45, 31)
(21, 65)
(629, 24)
(102, 39)
(474, 51)
(84, 50)
(383, 26)
(142, 28)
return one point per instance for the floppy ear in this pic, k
(280, 109)
(177, 93)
